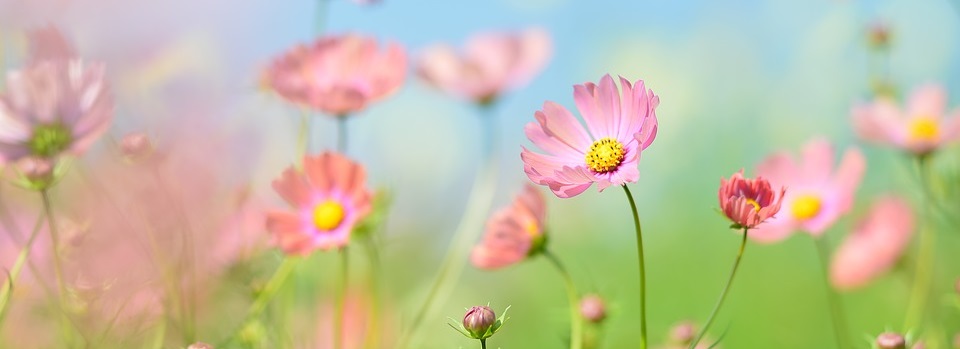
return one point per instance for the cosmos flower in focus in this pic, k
(489, 64)
(876, 243)
(747, 201)
(338, 75)
(514, 232)
(920, 127)
(619, 125)
(818, 195)
(329, 197)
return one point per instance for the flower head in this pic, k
(490, 64)
(920, 129)
(136, 146)
(329, 197)
(818, 195)
(480, 322)
(748, 202)
(338, 75)
(593, 308)
(890, 340)
(619, 125)
(514, 232)
(875, 244)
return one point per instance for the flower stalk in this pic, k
(576, 325)
(640, 264)
(723, 294)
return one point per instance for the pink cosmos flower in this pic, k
(748, 202)
(619, 125)
(513, 233)
(48, 43)
(338, 75)
(329, 198)
(489, 64)
(922, 128)
(55, 105)
(818, 196)
(876, 243)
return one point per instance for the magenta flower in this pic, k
(922, 128)
(338, 75)
(620, 123)
(876, 243)
(748, 202)
(818, 196)
(513, 233)
(489, 64)
(329, 197)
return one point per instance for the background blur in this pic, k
(737, 80)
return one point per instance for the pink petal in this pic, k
(817, 160)
(608, 98)
(875, 245)
(557, 122)
(928, 101)
(776, 229)
(879, 122)
(849, 174)
(293, 188)
(779, 168)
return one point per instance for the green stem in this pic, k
(373, 332)
(836, 307)
(273, 286)
(576, 325)
(341, 133)
(17, 266)
(923, 274)
(643, 277)
(341, 298)
(723, 295)
(483, 344)
(57, 267)
(187, 301)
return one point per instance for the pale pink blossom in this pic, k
(748, 201)
(49, 44)
(514, 232)
(922, 126)
(489, 64)
(875, 244)
(818, 195)
(329, 197)
(619, 125)
(338, 75)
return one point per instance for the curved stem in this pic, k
(643, 281)
(17, 266)
(273, 286)
(723, 295)
(923, 274)
(341, 298)
(836, 307)
(57, 267)
(576, 325)
(373, 332)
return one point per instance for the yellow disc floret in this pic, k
(924, 129)
(328, 215)
(754, 203)
(605, 155)
(806, 206)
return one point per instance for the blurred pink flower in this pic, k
(329, 197)
(593, 308)
(356, 324)
(490, 63)
(922, 128)
(338, 75)
(621, 124)
(748, 202)
(876, 243)
(513, 233)
(818, 196)
(49, 44)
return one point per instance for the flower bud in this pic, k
(683, 333)
(136, 146)
(956, 286)
(878, 36)
(956, 341)
(479, 320)
(890, 340)
(592, 308)
(200, 345)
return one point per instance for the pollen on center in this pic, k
(328, 215)
(605, 155)
(806, 206)
(924, 129)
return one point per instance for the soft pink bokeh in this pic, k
(489, 65)
(812, 180)
(512, 231)
(748, 201)
(626, 117)
(922, 126)
(874, 246)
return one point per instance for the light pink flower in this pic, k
(513, 233)
(922, 128)
(876, 243)
(490, 63)
(620, 123)
(818, 196)
(748, 202)
(329, 197)
(48, 43)
(338, 75)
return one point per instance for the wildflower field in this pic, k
(364, 174)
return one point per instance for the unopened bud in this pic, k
(890, 340)
(200, 345)
(136, 146)
(683, 333)
(878, 36)
(592, 308)
(479, 320)
(35, 168)
(919, 345)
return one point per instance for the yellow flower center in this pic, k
(756, 205)
(924, 129)
(532, 228)
(328, 215)
(605, 155)
(806, 206)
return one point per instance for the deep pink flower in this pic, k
(747, 201)
(329, 197)
(921, 128)
(338, 75)
(818, 196)
(620, 123)
(513, 232)
(876, 243)
(490, 63)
